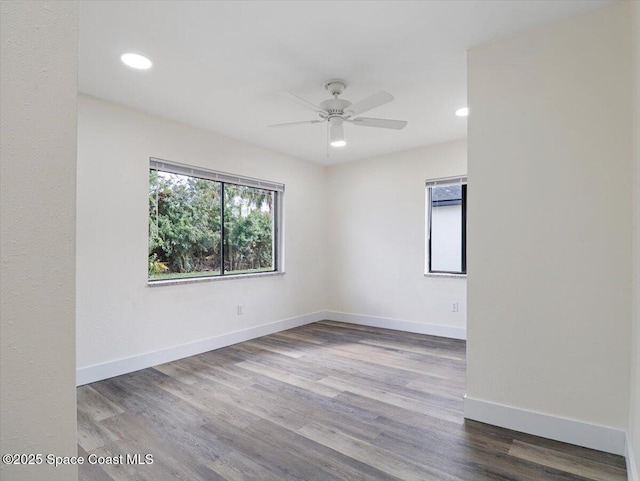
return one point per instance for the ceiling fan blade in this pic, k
(298, 123)
(304, 103)
(382, 123)
(371, 102)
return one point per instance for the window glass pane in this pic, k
(248, 229)
(446, 228)
(184, 226)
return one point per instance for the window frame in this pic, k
(224, 178)
(442, 182)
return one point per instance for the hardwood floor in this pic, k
(326, 401)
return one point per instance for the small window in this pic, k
(209, 224)
(446, 202)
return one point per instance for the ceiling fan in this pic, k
(337, 111)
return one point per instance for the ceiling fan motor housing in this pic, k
(335, 106)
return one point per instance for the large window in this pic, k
(447, 226)
(204, 223)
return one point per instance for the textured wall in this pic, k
(634, 413)
(37, 244)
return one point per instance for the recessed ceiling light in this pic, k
(136, 61)
(463, 112)
(338, 143)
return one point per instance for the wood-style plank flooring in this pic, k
(326, 401)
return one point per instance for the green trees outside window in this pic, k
(200, 227)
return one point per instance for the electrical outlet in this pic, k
(454, 306)
(239, 309)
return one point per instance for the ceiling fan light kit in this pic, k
(336, 132)
(336, 111)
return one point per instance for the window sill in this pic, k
(445, 274)
(197, 280)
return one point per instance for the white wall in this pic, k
(37, 244)
(376, 219)
(634, 404)
(549, 231)
(118, 315)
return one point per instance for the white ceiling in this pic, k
(219, 65)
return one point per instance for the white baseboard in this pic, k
(632, 466)
(398, 324)
(98, 372)
(602, 438)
